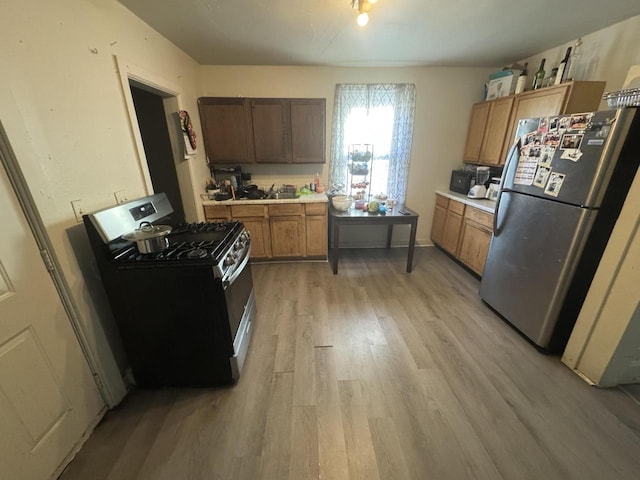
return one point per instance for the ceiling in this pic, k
(399, 33)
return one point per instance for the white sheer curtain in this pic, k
(381, 115)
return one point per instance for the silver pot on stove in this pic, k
(149, 238)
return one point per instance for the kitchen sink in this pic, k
(281, 196)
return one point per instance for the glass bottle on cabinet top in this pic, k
(359, 169)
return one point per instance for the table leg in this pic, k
(336, 245)
(389, 234)
(412, 244)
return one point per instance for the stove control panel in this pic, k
(142, 211)
(236, 255)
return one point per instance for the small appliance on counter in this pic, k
(233, 174)
(461, 181)
(479, 190)
(493, 188)
(464, 179)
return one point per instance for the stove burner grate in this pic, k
(203, 227)
(204, 242)
(196, 253)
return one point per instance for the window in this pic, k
(380, 115)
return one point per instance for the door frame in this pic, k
(21, 189)
(172, 99)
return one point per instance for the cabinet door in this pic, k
(271, 135)
(548, 101)
(496, 131)
(538, 103)
(287, 236)
(477, 123)
(226, 128)
(452, 229)
(316, 232)
(475, 239)
(216, 213)
(260, 236)
(308, 130)
(570, 97)
(439, 219)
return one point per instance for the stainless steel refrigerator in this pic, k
(562, 188)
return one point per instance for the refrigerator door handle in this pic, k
(495, 214)
(515, 147)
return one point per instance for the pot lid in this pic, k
(147, 231)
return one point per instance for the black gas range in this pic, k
(185, 312)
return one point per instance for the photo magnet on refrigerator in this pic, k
(555, 184)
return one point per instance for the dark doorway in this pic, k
(152, 120)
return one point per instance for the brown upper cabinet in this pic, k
(307, 130)
(263, 130)
(226, 128)
(271, 132)
(483, 145)
(492, 126)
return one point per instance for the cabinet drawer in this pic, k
(315, 208)
(285, 209)
(215, 211)
(442, 201)
(456, 207)
(483, 218)
(247, 211)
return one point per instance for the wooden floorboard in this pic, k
(375, 374)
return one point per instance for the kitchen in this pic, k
(68, 79)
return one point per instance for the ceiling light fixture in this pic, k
(363, 7)
(362, 19)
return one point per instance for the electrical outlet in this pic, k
(78, 211)
(121, 196)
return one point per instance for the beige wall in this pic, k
(606, 54)
(443, 103)
(62, 106)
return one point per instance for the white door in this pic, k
(48, 397)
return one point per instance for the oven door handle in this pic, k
(239, 268)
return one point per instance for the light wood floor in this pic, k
(374, 374)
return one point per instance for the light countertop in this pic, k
(310, 198)
(479, 203)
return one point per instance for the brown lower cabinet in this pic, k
(287, 230)
(316, 230)
(279, 231)
(463, 231)
(453, 226)
(475, 238)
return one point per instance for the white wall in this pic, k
(443, 104)
(62, 105)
